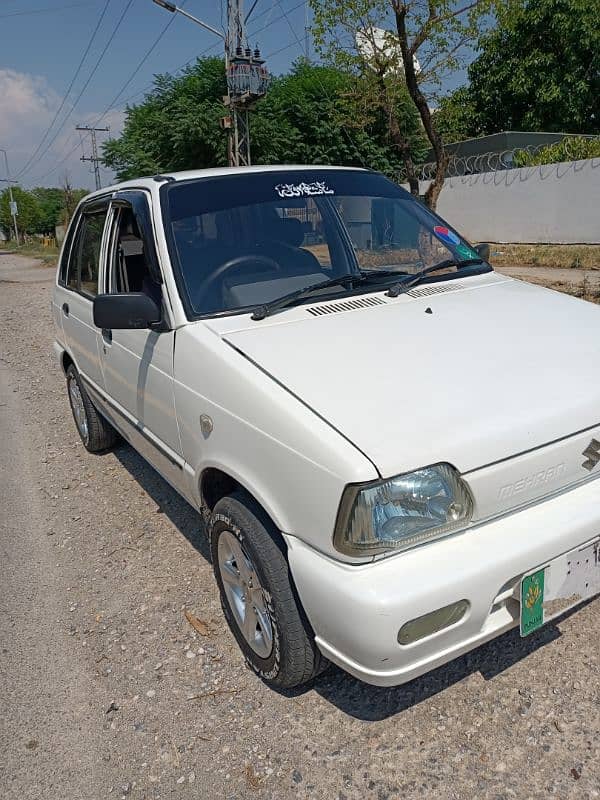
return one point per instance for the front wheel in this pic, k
(257, 595)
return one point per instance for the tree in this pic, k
(568, 149)
(28, 211)
(311, 115)
(427, 42)
(69, 199)
(455, 115)
(317, 114)
(176, 126)
(50, 207)
(539, 70)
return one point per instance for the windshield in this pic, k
(240, 241)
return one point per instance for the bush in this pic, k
(571, 148)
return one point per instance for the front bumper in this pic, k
(357, 611)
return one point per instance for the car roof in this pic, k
(215, 172)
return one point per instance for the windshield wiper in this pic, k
(366, 276)
(408, 281)
(266, 309)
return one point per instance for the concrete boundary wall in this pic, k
(553, 203)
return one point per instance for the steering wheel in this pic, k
(234, 263)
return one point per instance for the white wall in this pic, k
(554, 203)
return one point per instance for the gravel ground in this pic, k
(550, 274)
(108, 692)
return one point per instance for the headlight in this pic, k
(402, 512)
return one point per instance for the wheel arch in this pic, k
(66, 360)
(216, 482)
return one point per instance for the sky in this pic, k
(42, 43)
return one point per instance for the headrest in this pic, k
(223, 226)
(131, 245)
(290, 231)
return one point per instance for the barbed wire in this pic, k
(497, 161)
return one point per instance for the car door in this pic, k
(137, 365)
(78, 285)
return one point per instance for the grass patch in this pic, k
(584, 290)
(47, 255)
(566, 256)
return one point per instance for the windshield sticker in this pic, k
(447, 236)
(303, 189)
(466, 252)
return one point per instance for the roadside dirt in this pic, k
(108, 692)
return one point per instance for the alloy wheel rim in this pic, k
(245, 595)
(78, 408)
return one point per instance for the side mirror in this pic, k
(483, 250)
(131, 311)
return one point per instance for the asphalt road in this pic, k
(107, 692)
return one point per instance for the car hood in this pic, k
(472, 374)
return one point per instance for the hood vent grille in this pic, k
(424, 291)
(346, 305)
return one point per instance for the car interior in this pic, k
(130, 271)
(246, 255)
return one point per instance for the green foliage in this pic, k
(318, 114)
(315, 114)
(28, 211)
(412, 42)
(176, 127)
(455, 116)
(40, 209)
(50, 205)
(436, 32)
(569, 149)
(539, 70)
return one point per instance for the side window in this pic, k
(84, 260)
(73, 265)
(87, 254)
(129, 271)
(67, 263)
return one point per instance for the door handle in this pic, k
(107, 335)
(65, 309)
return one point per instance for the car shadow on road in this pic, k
(180, 513)
(373, 703)
(353, 697)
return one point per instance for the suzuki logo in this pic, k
(592, 455)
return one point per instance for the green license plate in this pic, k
(532, 602)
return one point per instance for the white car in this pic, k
(395, 448)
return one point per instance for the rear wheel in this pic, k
(96, 433)
(257, 594)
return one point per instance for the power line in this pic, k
(75, 76)
(319, 81)
(178, 69)
(143, 61)
(86, 84)
(213, 46)
(94, 158)
(119, 93)
(44, 10)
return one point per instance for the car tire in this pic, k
(96, 433)
(278, 642)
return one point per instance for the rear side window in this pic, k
(88, 255)
(84, 263)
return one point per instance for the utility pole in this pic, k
(247, 81)
(247, 77)
(306, 32)
(94, 158)
(13, 205)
